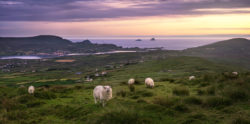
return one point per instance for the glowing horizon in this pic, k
(116, 18)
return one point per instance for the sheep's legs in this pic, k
(95, 100)
(103, 103)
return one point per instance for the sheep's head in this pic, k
(107, 88)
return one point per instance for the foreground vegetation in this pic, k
(215, 96)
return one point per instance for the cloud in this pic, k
(84, 10)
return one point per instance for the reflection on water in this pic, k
(21, 57)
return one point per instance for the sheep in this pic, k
(235, 73)
(149, 82)
(31, 89)
(102, 94)
(191, 78)
(131, 81)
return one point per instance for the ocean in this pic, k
(167, 43)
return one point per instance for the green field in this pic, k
(61, 96)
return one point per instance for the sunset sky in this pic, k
(75, 18)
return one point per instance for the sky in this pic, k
(76, 18)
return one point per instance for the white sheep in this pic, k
(235, 73)
(131, 81)
(31, 89)
(149, 82)
(191, 78)
(102, 94)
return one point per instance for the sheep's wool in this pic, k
(149, 82)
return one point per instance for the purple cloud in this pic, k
(83, 10)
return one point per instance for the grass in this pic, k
(181, 91)
(211, 98)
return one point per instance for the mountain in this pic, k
(236, 51)
(48, 44)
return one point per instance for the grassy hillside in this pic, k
(48, 44)
(216, 96)
(236, 51)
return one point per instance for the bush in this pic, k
(210, 90)
(131, 88)
(165, 101)
(181, 91)
(122, 117)
(237, 94)
(193, 100)
(135, 97)
(138, 82)
(216, 101)
(25, 98)
(17, 115)
(22, 91)
(147, 94)
(181, 108)
(141, 101)
(35, 103)
(61, 89)
(167, 79)
(121, 93)
(45, 95)
(78, 87)
(241, 120)
(200, 92)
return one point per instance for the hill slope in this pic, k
(236, 51)
(47, 44)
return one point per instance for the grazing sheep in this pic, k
(235, 73)
(102, 94)
(149, 82)
(131, 81)
(31, 89)
(191, 78)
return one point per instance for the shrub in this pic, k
(25, 98)
(138, 82)
(167, 79)
(123, 83)
(141, 101)
(35, 103)
(165, 101)
(200, 92)
(22, 91)
(181, 91)
(61, 89)
(121, 93)
(78, 87)
(17, 115)
(122, 117)
(217, 101)
(210, 90)
(240, 120)
(147, 94)
(131, 88)
(45, 95)
(181, 108)
(236, 94)
(135, 97)
(193, 100)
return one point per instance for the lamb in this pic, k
(31, 89)
(131, 81)
(235, 73)
(102, 94)
(191, 78)
(149, 82)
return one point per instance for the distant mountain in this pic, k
(235, 50)
(48, 44)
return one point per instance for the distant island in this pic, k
(138, 40)
(50, 45)
(152, 39)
